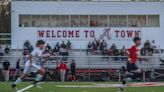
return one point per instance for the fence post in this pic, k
(110, 66)
(89, 68)
(80, 49)
(144, 76)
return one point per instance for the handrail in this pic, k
(89, 56)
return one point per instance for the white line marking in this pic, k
(112, 85)
(28, 87)
(24, 89)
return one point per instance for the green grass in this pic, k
(52, 87)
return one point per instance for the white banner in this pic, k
(88, 33)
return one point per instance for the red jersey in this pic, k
(63, 66)
(133, 54)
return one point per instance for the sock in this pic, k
(123, 83)
(18, 81)
(38, 77)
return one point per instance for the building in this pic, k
(81, 21)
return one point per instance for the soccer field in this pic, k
(78, 87)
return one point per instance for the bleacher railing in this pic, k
(90, 66)
(90, 59)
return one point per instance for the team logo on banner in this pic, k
(106, 33)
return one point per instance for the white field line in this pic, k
(28, 87)
(111, 85)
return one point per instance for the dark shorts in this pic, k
(73, 72)
(131, 66)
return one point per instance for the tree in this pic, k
(5, 16)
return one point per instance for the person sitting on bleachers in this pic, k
(94, 48)
(63, 45)
(69, 44)
(55, 51)
(109, 52)
(1, 52)
(103, 44)
(89, 48)
(123, 53)
(30, 48)
(48, 48)
(113, 47)
(26, 44)
(7, 49)
(143, 51)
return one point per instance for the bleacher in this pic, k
(92, 66)
(84, 61)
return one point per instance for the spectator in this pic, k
(94, 47)
(55, 51)
(63, 50)
(153, 46)
(25, 52)
(89, 48)
(109, 52)
(6, 68)
(63, 45)
(18, 69)
(73, 70)
(93, 23)
(48, 48)
(103, 45)
(113, 47)
(97, 43)
(124, 50)
(30, 48)
(57, 45)
(147, 46)
(1, 52)
(143, 51)
(116, 53)
(123, 53)
(26, 44)
(63, 68)
(7, 49)
(69, 44)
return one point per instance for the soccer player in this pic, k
(35, 55)
(73, 70)
(132, 54)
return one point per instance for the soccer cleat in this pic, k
(14, 87)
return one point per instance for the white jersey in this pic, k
(36, 53)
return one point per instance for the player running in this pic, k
(132, 54)
(35, 55)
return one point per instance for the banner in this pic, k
(88, 33)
